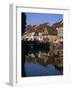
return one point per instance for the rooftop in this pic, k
(58, 24)
(40, 28)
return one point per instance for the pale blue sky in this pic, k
(37, 18)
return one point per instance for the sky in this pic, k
(39, 18)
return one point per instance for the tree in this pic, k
(23, 23)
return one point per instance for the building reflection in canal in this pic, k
(40, 63)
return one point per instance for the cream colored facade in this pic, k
(46, 36)
(52, 38)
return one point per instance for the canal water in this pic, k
(40, 63)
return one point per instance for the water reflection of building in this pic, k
(44, 60)
(42, 32)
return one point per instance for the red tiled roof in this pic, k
(51, 30)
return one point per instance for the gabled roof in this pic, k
(58, 24)
(52, 31)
